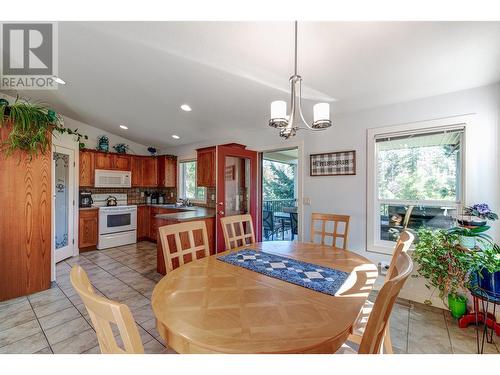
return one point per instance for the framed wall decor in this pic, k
(339, 163)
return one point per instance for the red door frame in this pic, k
(236, 150)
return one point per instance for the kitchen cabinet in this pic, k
(120, 162)
(205, 167)
(143, 219)
(136, 169)
(167, 171)
(149, 171)
(86, 177)
(88, 229)
(103, 160)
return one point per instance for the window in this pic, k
(416, 181)
(187, 182)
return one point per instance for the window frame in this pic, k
(181, 184)
(373, 241)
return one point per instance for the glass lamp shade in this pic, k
(321, 116)
(278, 114)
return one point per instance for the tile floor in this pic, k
(55, 320)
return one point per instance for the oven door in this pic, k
(114, 221)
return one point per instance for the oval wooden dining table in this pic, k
(210, 306)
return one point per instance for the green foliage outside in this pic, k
(278, 180)
(190, 189)
(418, 173)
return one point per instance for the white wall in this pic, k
(347, 194)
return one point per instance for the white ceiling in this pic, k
(138, 73)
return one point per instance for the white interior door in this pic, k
(63, 202)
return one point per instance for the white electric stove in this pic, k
(117, 224)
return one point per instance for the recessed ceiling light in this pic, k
(123, 127)
(176, 136)
(186, 108)
(59, 80)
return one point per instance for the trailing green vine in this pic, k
(32, 127)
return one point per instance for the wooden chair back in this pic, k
(238, 231)
(103, 312)
(405, 240)
(338, 233)
(373, 337)
(179, 243)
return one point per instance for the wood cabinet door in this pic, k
(149, 172)
(121, 162)
(136, 170)
(153, 224)
(205, 167)
(103, 160)
(170, 172)
(143, 221)
(86, 177)
(88, 228)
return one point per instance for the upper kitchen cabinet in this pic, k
(149, 171)
(103, 160)
(205, 169)
(121, 162)
(136, 169)
(167, 171)
(86, 168)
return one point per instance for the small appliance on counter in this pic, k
(86, 199)
(161, 199)
(154, 198)
(148, 198)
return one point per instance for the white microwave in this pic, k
(112, 179)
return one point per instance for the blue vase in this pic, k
(490, 282)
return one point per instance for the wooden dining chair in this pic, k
(103, 312)
(338, 233)
(183, 243)
(238, 231)
(359, 328)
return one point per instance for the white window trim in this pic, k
(373, 244)
(179, 182)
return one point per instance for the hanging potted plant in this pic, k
(445, 265)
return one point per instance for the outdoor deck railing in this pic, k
(276, 205)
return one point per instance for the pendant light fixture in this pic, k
(289, 123)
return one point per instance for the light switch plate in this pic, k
(307, 201)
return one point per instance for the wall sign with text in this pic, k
(340, 163)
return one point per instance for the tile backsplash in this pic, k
(134, 194)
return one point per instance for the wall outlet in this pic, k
(212, 197)
(171, 194)
(307, 201)
(142, 194)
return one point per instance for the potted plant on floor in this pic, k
(487, 266)
(445, 265)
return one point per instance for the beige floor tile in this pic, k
(154, 347)
(143, 314)
(46, 350)
(428, 334)
(28, 345)
(66, 330)
(77, 344)
(19, 332)
(59, 317)
(463, 340)
(46, 297)
(15, 317)
(12, 301)
(52, 307)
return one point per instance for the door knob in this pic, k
(221, 213)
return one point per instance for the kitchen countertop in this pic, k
(186, 213)
(88, 208)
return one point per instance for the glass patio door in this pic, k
(64, 200)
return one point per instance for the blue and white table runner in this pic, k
(312, 276)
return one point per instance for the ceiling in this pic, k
(139, 73)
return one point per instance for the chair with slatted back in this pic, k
(103, 312)
(238, 231)
(179, 242)
(337, 233)
(405, 241)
